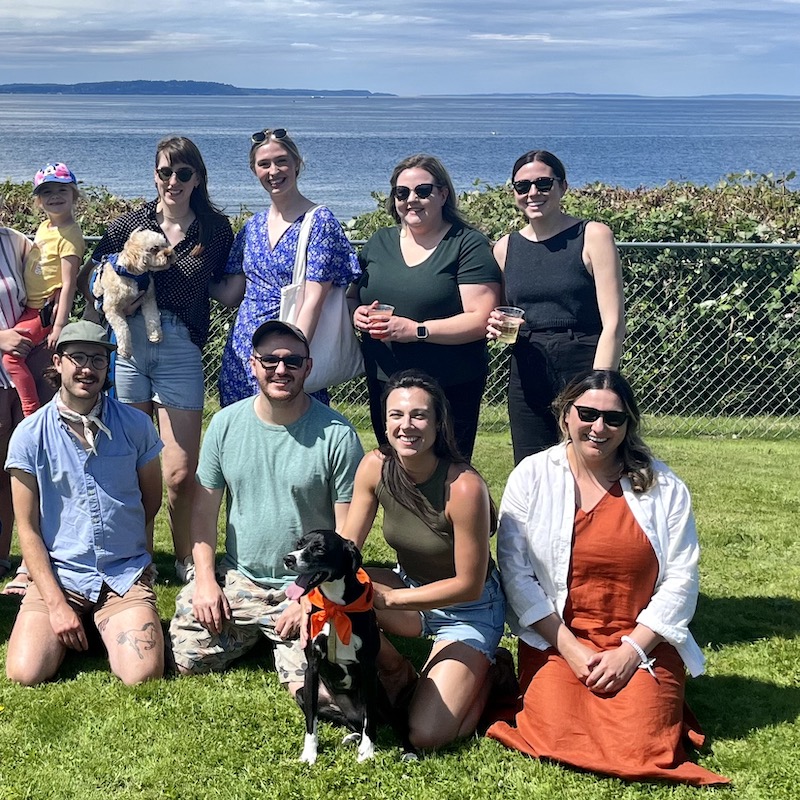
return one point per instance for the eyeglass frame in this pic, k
(281, 360)
(259, 137)
(590, 414)
(546, 186)
(78, 355)
(165, 173)
(426, 192)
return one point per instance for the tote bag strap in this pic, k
(301, 254)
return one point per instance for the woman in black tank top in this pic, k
(565, 274)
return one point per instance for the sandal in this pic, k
(19, 585)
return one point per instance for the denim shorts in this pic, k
(478, 624)
(169, 373)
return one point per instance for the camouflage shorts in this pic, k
(254, 611)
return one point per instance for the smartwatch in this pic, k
(422, 332)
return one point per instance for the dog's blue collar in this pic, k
(142, 281)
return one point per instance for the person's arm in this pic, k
(477, 300)
(499, 251)
(611, 670)
(364, 505)
(314, 296)
(229, 291)
(602, 257)
(209, 604)
(674, 601)
(69, 279)
(468, 509)
(150, 487)
(66, 624)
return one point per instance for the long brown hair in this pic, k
(636, 456)
(396, 480)
(179, 149)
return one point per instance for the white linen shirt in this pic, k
(534, 549)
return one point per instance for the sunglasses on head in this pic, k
(80, 360)
(422, 191)
(271, 362)
(183, 174)
(268, 133)
(611, 418)
(542, 185)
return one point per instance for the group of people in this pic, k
(596, 546)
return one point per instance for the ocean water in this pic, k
(351, 144)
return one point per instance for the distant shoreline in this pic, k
(212, 89)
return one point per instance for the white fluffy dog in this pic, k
(121, 277)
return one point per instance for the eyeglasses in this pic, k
(611, 418)
(80, 360)
(422, 191)
(268, 133)
(183, 174)
(543, 185)
(290, 362)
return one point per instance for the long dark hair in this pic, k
(179, 149)
(441, 178)
(396, 480)
(636, 456)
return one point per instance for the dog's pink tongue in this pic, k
(294, 592)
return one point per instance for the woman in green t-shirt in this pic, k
(440, 276)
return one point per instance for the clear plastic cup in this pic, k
(513, 318)
(380, 310)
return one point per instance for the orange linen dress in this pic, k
(638, 732)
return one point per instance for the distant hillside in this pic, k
(174, 87)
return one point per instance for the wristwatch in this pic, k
(422, 332)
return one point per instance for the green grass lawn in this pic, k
(237, 735)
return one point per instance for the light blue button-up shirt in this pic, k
(91, 516)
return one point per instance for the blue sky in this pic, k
(667, 47)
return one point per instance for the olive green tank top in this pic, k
(425, 552)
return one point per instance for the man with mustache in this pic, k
(86, 486)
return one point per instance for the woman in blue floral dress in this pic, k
(264, 252)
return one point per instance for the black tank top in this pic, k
(549, 281)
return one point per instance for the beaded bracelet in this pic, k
(647, 663)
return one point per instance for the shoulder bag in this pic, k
(335, 350)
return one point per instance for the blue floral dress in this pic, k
(330, 258)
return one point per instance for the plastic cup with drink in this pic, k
(379, 311)
(513, 318)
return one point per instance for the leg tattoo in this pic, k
(141, 640)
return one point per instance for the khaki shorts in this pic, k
(254, 611)
(109, 603)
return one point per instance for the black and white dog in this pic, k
(343, 639)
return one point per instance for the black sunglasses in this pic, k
(268, 133)
(183, 174)
(543, 185)
(290, 362)
(611, 418)
(422, 191)
(80, 360)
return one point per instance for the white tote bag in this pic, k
(335, 350)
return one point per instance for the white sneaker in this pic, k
(185, 569)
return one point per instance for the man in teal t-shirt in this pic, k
(286, 463)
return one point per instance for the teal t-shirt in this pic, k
(280, 482)
(429, 290)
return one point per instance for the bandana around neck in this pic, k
(86, 419)
(336, 614)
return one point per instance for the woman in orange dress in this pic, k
(598, 552)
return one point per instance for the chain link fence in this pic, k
(713, 344)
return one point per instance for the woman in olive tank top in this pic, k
(565, 274)
(438, 517)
